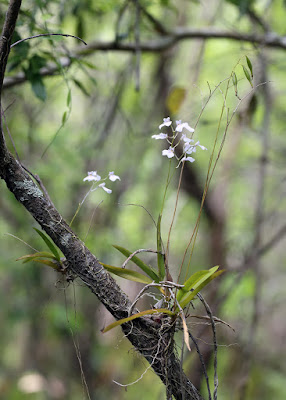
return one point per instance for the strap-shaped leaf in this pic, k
(38, 257)
(49, 243)
(146, 268)
(195, 283)
(247, 75)
(53, 264)
(138, 315)
(249, 64)
(127, 274)
(160, 256)
(31, 257)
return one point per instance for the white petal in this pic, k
(189, 148)
(191, 159)
(169, 153)
(202, 147)
(186, 139)
(113, 177)
(92, 176)
(166, 122)
(102, 185)
(160, 136)
(183, 125)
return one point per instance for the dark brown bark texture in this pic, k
(153, 339)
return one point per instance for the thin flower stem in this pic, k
(168, 180)
(80, 204)
(174, 214)
(211, 168)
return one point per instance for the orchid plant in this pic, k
(176, 297)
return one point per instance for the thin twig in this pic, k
(202, 363)
(136, 252)
(165, 284)
(47, 34)
(137, 44)
(21, 240)
(209, 312)
(139, 205)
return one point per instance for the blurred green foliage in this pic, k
(108, 126)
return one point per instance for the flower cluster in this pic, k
(92, 176)
(189, 145)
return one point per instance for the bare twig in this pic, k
(46, 34)
(137, 44)
(136, 252)
(165, 284)
(209, 312)
(204, 369)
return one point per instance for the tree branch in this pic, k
(5, 43)
(269, 39)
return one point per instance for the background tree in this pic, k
(106, 124)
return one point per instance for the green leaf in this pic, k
(21, 50)
(38, 87)
(36, 63)
(31, 257)
(248, 77)
(127, 274)
(81, 87)
(148, 270)
(49, 243)
(69, 99)
(249, 64)
(64, 117)
(138, 315)
(160, 256)
(194, 284)
(234, 80)
(52, 264)
(88, 64)
(32, 73)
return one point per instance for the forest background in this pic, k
(72, 108)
